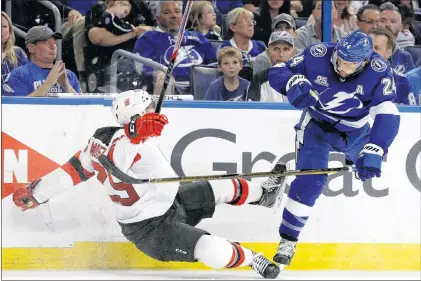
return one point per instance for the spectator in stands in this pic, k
(113, 17)
(11, 56)
(296, 7)
(411, 24)
(312, 33)
(345, 18)
(109, 27)
(259, 89)
(221, 8)
(229, 86)
(268, 10)
(158, 45)
(284, 22)
(203, 19)
(41, 76)
(219, 15)
(406, 36)
(281, 48)
(383, 43)
(29, 13)
(108, 31)
(390, 18)
(368, 18)
(414, 78)
(241, 29)
(74, 29)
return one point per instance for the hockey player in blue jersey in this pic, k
(338, 86)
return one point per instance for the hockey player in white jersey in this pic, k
(159, 219)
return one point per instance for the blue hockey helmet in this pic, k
(356, 47)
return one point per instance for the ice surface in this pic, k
(205, 274)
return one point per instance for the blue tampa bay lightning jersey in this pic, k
(27, 78)
(404, 92)
(158, 46)
(255, 48)
(345, 103)
(402, 61)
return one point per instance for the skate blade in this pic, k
(281, 266)
(278, 200)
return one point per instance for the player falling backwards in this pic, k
(158, 218)
(339, 85)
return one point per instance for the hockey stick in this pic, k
(116, 172)
(105, 162)
(177, 46)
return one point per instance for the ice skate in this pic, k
(273, 187)
(264, 267)
(286, 251)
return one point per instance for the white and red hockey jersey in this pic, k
(133, 202)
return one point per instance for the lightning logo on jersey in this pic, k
(187, 56)
(349, 101)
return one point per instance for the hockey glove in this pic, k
(300, 92)
(23, 197)
(369, 162)
(149, 125)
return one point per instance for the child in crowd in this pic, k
(203, 20)
(112, 18)
(229, 86)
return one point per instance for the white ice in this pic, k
(206, 274)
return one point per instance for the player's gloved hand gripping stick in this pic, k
(142, 128)
(369, 162)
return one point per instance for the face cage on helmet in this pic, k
(334, 61)
(149, 109)
(152, 106)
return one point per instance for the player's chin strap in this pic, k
(120, 175)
